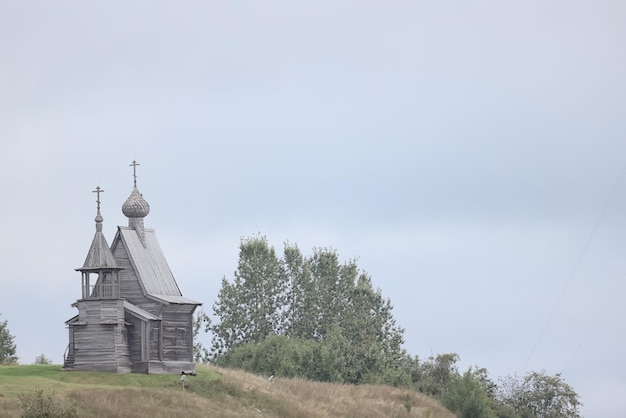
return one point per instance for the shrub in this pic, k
(40, 404)
(42, 359)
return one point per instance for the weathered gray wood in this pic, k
(134, 317)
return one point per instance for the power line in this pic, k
(611, 295)
(577, 264)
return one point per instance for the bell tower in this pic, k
(97, 335)
(100, 261)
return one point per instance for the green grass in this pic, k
(17, 380)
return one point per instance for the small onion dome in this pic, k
(99, 220)
(135, 206)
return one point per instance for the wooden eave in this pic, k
(113, 322)
(174, 300)
(71, 320)
(74, 322)
(98, 269)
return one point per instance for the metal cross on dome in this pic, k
(134, 164)
(98, 191)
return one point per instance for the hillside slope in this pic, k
(213, 392)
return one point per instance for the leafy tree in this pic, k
(300, 320)
(201, 320)
(467, 395)
(538, 395)
(8, 347)
(342, 328)
(434, 375)
(376, 340)
(251, 308)
(332, 282)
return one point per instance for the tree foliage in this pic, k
(345, 326)
(434, 375)
(200, 322)
(468, 396)
(474, 394)
(8, 348)
(539, 395)
(251, 307)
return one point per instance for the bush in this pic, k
(42, 359)
(40, 404)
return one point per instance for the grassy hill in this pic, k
(213, 392)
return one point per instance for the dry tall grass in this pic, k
(298, 398)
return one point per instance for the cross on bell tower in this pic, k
(98, 191)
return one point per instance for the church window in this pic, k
(181, 335)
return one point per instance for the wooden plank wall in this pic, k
(155, 340)
(130, 289)
(94, 344)
(177, 332)
(134, 339)
(122, 349)
(98, 345)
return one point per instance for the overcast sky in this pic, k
(470, 154)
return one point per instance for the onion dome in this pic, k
(135, 206)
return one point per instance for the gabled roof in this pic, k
(99, 256)
(148, 262)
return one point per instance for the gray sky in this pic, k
(471, 154)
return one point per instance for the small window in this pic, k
(181, 335)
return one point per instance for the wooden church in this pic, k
(132, 316)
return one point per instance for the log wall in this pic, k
(101, 341)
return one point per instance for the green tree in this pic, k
(341, 328)
(328, 293)
(436, 373)
(302, 310)
(375, 339)
(200, 322)
(251, 308)
(328, 297)
(467, 395)
(539, 395)
(8, 347)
